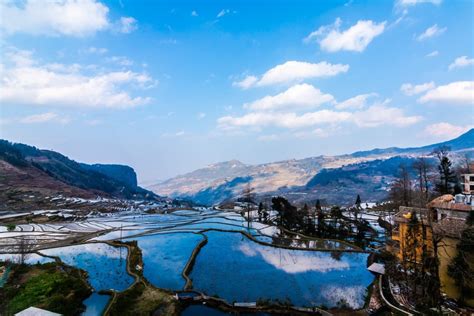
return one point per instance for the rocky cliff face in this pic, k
(29, 170)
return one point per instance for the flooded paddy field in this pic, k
(212, 252)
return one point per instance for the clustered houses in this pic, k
(468, 183)
(445, 217)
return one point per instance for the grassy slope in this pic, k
(49, 286)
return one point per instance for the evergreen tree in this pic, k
(447, 178)
(461, 269)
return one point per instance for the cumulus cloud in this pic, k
(299, 96)
(285, 120)
(246, 83)
(45, 118)
(356, 102)
(282, 111)
(356, 38)
(128, 24)
(381, 114)
(410, 89)
(59, 17)
(446, 130)
(292, 71)
(432, 31)
(26, 81)
(461, 62)
(458, 92)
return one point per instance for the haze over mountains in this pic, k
(336, 179)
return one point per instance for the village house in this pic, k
(445, 217)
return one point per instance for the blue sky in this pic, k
(171, 86)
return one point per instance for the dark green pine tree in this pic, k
(460, 268)
(447, 177)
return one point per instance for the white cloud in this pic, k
(458, 92)
(128, 24)
(76, 18)
(284, 120)
(297, 70)
(445, 130)
(410, 89)
(356, 38)
(408, 3)
(201, 115)
(356, 102)
(460, 62)
(194, 13)
(432, 31)
(72, 18)
(44, 118)
(245, 83)
(292, 71)
(25, 81)
(299, 96)
(222, 13)
(380, 114)
(433, 54)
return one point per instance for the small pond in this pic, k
(105, 265)
(95, 304)
(165, 256)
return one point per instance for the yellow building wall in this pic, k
(446, 252)
(401, 238)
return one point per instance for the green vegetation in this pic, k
(57, 288)
(11, 227)
(141, 299)
(461, 268)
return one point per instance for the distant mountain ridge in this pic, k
(304, 179)
(464, 141)
(27, 169)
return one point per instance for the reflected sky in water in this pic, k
(237, 269)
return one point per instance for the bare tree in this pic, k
(24, 248)
(401, 191)
(248, 196)
(422, 167)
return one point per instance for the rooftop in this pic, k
(448, 202)
(34, 311)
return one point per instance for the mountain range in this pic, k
(31, 174)
(335, 179)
